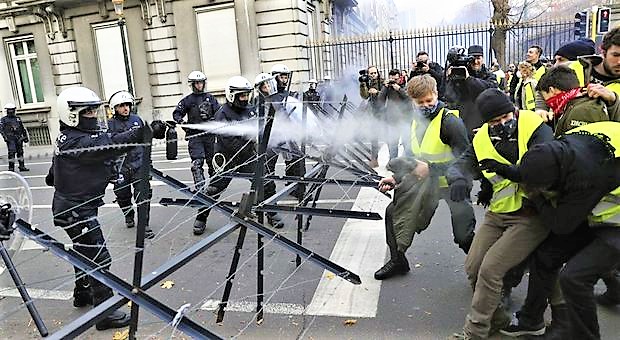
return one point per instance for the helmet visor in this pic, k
(268, 87)
(95, 111)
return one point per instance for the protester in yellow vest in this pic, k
(525, 96)
(511, 229)
(581, 179)
(438, 136)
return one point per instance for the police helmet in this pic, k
(72, 101)
(279, 69)
(121, 97)
(9, 106)
(236, 86)
(265, 79)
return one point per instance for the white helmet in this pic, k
(9, 106)
(121, 97)
(235, 86)
(279, 69)
(73, 100)
(266, 78)
(312, 81)
(195, 76)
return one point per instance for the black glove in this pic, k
(7, 218)
(459, 190)
(159, 129)
(485, 194)
(510, 172)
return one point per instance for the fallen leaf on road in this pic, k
(350, 322)
(167, 284)
(330, 275)
(129, 304)
(121, 335)
(417, 265)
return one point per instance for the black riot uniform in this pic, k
(240, 154)
(80, 179)
(128, 170)
(199, 107)
(15, 136)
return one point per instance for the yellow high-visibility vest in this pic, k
(507, 195)
(607, 211)
(432, 148)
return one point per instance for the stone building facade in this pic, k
(49, 45)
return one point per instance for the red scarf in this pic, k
(558, 102)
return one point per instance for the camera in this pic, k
(364, 77)
(459, 61)
(419, 65)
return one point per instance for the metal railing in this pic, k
(397, 50)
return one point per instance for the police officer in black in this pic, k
(14, 135)
(239, 152)
(295, 166)
(123, 120)
(199, 106)
(312, 97)
(80, 174)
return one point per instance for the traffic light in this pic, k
(581, 24)
(602, 22)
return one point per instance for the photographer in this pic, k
(423, 65)
(467, 77)
(370, 87)
(397, 113)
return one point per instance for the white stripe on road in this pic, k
(250, 307)
(361, 249)
(38, 294)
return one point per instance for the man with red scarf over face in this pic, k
(571, 105)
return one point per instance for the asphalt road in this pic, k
(302, 302)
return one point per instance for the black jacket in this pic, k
(396, 104)
(133, 159)
(12, 129)
(585, 176)
(461, 95)
(236, 149)
(451, 133)
(437, 72)
(199, 107)
(467, 165)
(81, 176)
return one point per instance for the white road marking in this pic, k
(250, 307)
(38, 294)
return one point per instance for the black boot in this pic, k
(275, 220)
(397, 265)
(22, 166)
(199, 227)
(149, 233)
(11, 166)
(524, 326)
(82, 296)
(129, 219)
(116, 319)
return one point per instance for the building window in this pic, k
(110, 59)
(219, 49)
(311, 23)
(26, 70)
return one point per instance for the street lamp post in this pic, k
(118, 9)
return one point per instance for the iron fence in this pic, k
(397, 50)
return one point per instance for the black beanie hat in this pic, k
(541, 156)
(492, 103)
(576, 48)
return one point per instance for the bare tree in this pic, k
(506, 16)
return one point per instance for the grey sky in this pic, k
(428, 13)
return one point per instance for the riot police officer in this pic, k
(14, 135)
(79, 174)
(199, 106)
(122, 102)
(295, 165)
(239, 152)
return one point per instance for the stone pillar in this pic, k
(163, 64)
(247, 37)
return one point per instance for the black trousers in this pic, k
(123, 192)
(15, 148)
(85, 232)
(587, 258)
